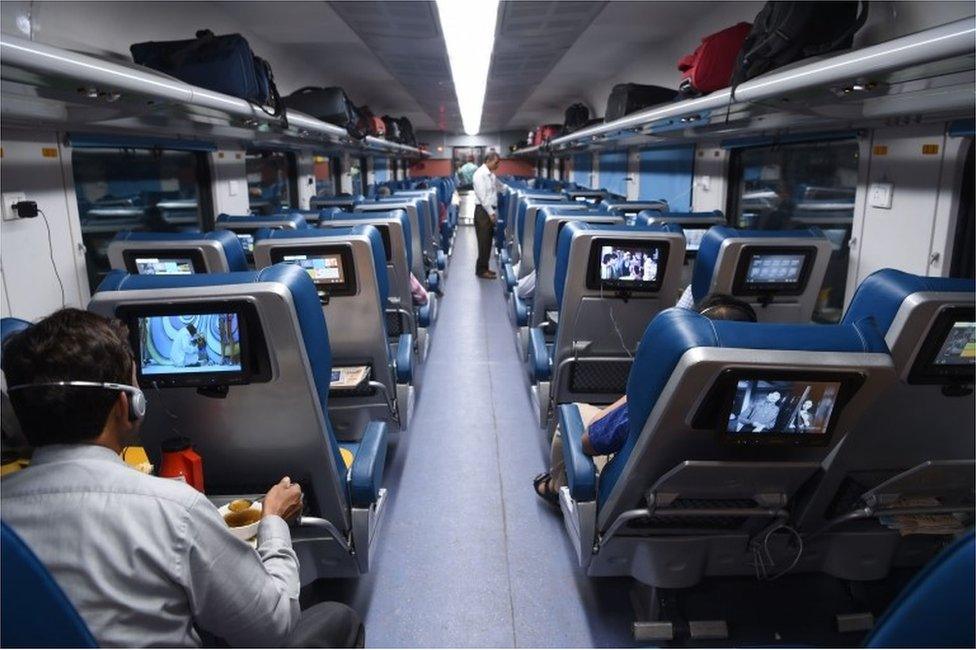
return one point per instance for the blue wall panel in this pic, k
(381, 170)
(667, 173)
(613, 172)
(582, 166)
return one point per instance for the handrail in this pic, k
(47, 59)
(944, 41)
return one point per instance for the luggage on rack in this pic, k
(392, 129)
(625, 99)
(406, 132)
(577, 115)
(530, 138)
(369, 123)
(330, 105)
(709, 67)
(545, 133)
(784, 32)
(223, 64)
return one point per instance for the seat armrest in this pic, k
(404, 358)
(539, 362)
(510, 280)
(423, 314)
(441, 260)
(521, 311)
(366, 473)
(580, 468)
(434, 281)
(503, 256)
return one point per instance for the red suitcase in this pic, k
(709, 67)
(545, 133)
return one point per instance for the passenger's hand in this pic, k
(283, 500)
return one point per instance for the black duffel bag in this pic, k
(392, 129)
(407, 136)
(577, 115)
(330, 105)
(784, 32)
(625, 99)
(223, 64)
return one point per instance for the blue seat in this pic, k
(287, 332)
(677, 457)
(36, 612)
(9, 326)
(725, 254)
(220, 250)
(936, 609)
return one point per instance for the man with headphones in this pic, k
(145, 560)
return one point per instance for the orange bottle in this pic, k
(181, 462)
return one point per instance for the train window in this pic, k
(381, 170)
(271, 181)
(582, 167)
(137, 189)
(963, 253)
(322, 171)
(666, 173)
(800, 185)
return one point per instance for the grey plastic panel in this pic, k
(415, 239)
(214, 258)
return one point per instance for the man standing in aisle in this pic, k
(485, 212)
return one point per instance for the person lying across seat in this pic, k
(146, 561)
(607, 428)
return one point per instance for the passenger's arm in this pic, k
(245, 597)
(599, 415)
(607, 433)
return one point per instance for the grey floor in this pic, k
(467, 555)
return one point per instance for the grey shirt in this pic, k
(143, 558)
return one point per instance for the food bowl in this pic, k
(248, 530)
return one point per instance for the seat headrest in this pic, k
(10, 326)
(565, 243)
(649, 216)
(711, 246)
(398, 215)
(368, 231)
(296, 220)
(882, 293)
(675, 331)
(231, 245)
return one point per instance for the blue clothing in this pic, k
(609, 433)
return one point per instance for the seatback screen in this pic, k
(626, 264)
(765, 270)
(208, 346)
(164, 266)
(948, 353)
(782, 408)
(247, 241)
(323, 269)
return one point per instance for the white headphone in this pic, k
(137, 399)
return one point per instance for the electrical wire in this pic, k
(54, 265)
(763, 561)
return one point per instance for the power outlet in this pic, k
(9, 199)
(879, 195)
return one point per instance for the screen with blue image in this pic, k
(775, 269)
(247, 241)
(190, 344)
(164, 266)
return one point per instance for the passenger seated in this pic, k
(146, 561)
(607, 428)
(525, 289)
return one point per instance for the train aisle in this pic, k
(468, 556)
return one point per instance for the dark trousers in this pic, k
(483, 230)
(328, 625)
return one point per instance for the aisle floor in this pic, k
(467, 556)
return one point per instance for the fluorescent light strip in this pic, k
(469, 32)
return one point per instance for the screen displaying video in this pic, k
(782, 408)
(693, 237)
(191, 344)
(247, 241)
(160, 266)
(323, 269)
(629, 264)
(775, 268)
(959, 346)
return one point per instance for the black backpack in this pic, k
(577, 116)
(784, 32)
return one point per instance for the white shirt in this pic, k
(686, 301)
(486, 189)
(144, 558)
(184, 350)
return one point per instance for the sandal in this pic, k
(543, 490)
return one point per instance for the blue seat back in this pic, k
(36, 612)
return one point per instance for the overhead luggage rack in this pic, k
(43, 84)
(927, 75)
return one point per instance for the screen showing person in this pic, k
(247, 241)
(693, 237)
(323, 269)
(775, 268)
(190, 344)
(161, 266)
(959, 346)
(629, 264)
(782, 407)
